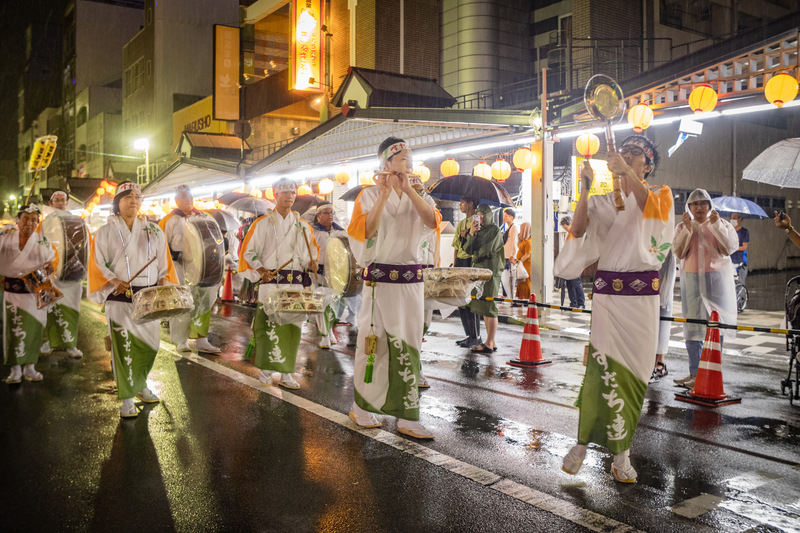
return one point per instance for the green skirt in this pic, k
(483, 307)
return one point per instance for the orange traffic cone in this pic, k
(227, 290)
(530, 353)
(708, 383)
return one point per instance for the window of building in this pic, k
(82, 114)
(134, 77)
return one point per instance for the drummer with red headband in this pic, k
(119, 266)
(21, 252)
(280, 252)
(389, 220)
(194, 325)
(61, 332)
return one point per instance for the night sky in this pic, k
(14, 18)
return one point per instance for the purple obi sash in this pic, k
(287, 277)
(386, 273)
(626, 283)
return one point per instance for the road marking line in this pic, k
(750, 480)
(699, 505)
(561, 508)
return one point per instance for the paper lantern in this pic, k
(326, 186)
(482, 170)
(523, 158)
(255, 193)
(703, 99)
(343, 177)
(501, 170)
(100, 191)
(269, 194)
(366, 178)
(423, 172)
(639, 116)
(780, 89)
(587, 144)
(304, 190)
(449, 167)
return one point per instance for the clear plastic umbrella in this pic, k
(778, 165)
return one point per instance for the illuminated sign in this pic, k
(602, 178)
(307, 46)
(226, 73)
(196, 117)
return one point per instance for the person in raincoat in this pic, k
(485, 244)
(703, 243)
(390, 220)
(630, 246)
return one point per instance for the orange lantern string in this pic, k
(423, 172)
(501, 170)
(449, 167)
(100, 191)
(482, 170)
(587, 144)
(640, 116)
(523, 158)
(780, 89)
(304, 190)
(326, 186)
(703, 99)
(269, 194)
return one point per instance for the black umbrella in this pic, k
(304, 203)
(461, 186)
(225, 220)
(352, 194)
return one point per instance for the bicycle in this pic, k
(741, 290)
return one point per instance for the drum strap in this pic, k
(122, 298)
(15, 285)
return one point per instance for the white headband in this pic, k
(58, 194)
(284, 186)
(130, 186)
(393, 149)
(413, 179)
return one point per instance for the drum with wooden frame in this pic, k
(156, 303)
(70, 237)
(203, 251)
(341, 270)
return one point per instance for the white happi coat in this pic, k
(25, 321)
(395, 312)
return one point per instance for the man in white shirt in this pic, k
(509, 277)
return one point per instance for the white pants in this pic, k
(509, 280)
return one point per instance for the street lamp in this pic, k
(144, 144)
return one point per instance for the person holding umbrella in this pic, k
(739, 257)
(485, 244)
(469, 320)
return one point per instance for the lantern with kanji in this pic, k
(587, 144)
(523, 158)
(501, 170)
(703, 99)
(780, 89)
(482, 170)
(449, 167)
(423, 172)
(639, 116)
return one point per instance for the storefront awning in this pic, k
(354, 139)
(195, 173)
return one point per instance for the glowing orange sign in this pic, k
(602, 178)
(307, 45)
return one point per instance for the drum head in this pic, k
(70, 237)
(203, 252)
(341, 268)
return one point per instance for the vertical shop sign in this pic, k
(226, 73)
(307, 46)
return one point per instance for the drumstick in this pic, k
(281, 267)
(308, 247)
(129, 292)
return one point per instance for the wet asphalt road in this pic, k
(222, 452)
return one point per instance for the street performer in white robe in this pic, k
(196, 323)
(61, 332)
(389, 220)
(21, 252)
(122, 247)
(630, 246)
(278, 251)
(325, 228)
